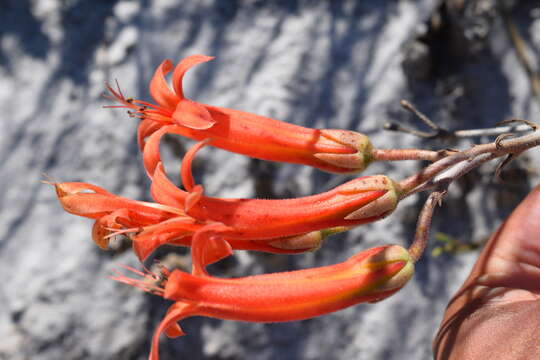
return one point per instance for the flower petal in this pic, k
(164, 191)
(176, 312)
(177, 230)
(193, 197)
(207, 247)
(102, 227)
(71, 188)
(159, 89)
(192, 115)
(151, 155)
(183, 66)
(187, 161)
(146, 128)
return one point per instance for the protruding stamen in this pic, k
(150, 282)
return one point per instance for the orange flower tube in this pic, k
(356, 202)
(369, 276)
(338, 151)
(151, 225)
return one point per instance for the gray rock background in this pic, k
(326, 64)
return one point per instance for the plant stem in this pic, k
(495, 149)
(424, 224)
(407, 154)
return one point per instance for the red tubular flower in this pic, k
(369, 276)
(151, 225)
(356, 202)
(339, 151)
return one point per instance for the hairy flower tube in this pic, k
(339, 151)
(369, 276)
(151, 225)
(356, 202)
(247, 224)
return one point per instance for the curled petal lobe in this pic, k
(195, 191)
(159, 89)
(176, 231)
(164, 191)
(176, 313)
(183, 66)
(187, 161)
(193, 197)
(151, 154)
(207, 247)
(146, 128)
(192, 115)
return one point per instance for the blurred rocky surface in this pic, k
(331, 64)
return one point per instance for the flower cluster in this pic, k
(214, 227)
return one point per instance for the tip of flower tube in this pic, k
(380, 207)
(392, 255)
(360, 150)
